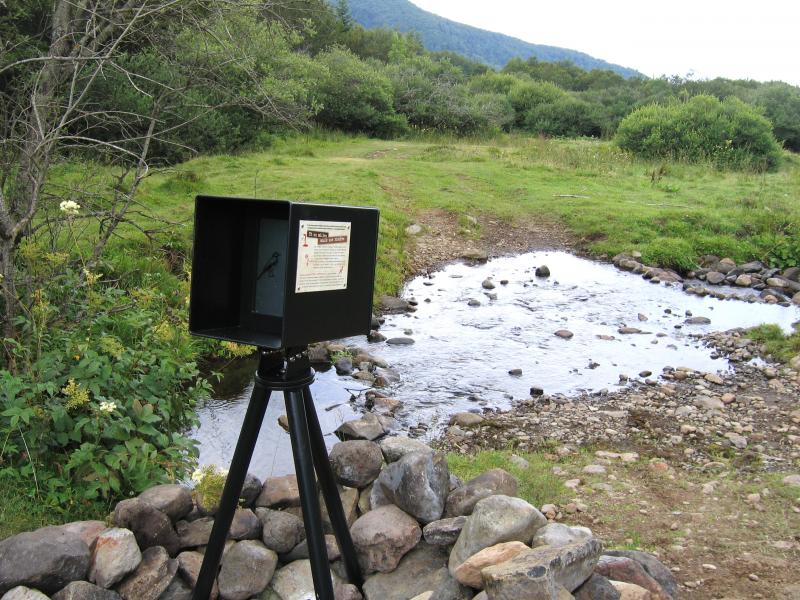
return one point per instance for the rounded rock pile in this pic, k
(773, 285)
(418, 531)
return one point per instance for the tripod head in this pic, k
(284, 368)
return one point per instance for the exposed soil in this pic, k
(446, 236)
(690, 497)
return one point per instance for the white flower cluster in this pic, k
(107, 407)
(69, 207)
(202, 472)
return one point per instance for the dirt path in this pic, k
(445, 236)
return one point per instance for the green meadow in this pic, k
(671, 212)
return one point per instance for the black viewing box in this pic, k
(279, 274)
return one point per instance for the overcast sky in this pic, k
(711, 38)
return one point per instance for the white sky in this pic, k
(712, 38)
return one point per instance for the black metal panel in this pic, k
(231, 295)
(317, 316)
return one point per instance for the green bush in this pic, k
(781, 105)
(730, 134)
(355, 95)
(102, 387)
(525, 95)
(430, 96)
(567, 117)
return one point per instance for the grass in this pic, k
(777, 344)
(537, 484)
(671, 212)
(21, 512)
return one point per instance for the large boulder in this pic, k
(189, 565)
(654, 567)
(192, 534)
(383, 536)
(46, 559)
(397, 446)
(462, 500)
(175, 501)
(251, 489)
(496, 519)
(421, 570)
(469, 572)
(279, 492)
(23, 593)
(247, 569)
(86, 530)
(281, 531)
(300, 551)
(83, 590)
(151, 578)
(348, 497)
(150, 526)
(540, 573)
(631, 591)
(368, 427)
(356, 463)
(622, 568)
(558, 534)
(418, 483)
(177, 590)
(115, 555)
(245, 525)
(294, 582)
(596, 587)
(443, 532)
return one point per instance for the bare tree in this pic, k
(48, 106)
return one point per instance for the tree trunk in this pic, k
(8, 288)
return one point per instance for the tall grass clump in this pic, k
(728, 133)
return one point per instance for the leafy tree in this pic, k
(781, 105)
(431, 95)
(343, 15)
(118, 81)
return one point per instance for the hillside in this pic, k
(492, 48)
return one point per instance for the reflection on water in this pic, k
(463, 353)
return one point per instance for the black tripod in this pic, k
(287, 371)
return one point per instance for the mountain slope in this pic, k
(438, 33)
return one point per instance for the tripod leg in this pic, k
(330, 492)
(304, 467)
(233, 487)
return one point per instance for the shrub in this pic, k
(781, 104)
(567, 117)
(729, 133)
(99, 410)
(355, 95)
(525, 95)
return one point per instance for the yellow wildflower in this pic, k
(111, 346)
(76, 394)
(91, 278)
(234, 350)
(164, 331)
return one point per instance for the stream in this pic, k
(462, 354)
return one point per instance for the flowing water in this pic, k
(462, 354)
